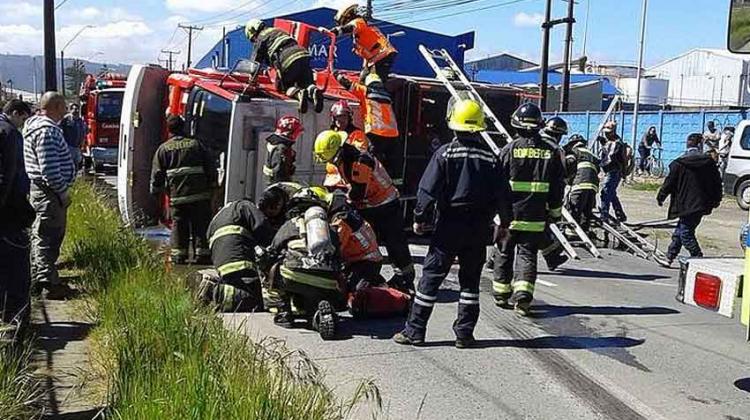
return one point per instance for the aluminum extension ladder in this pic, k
(464, 84)
(633, 241)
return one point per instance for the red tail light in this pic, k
(707, 291)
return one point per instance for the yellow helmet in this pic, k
(466, 115)
(346, 14)
(321, 193)
(327, 144)
(372, 78)
(253, 28)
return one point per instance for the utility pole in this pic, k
(33, 78)
(369, 9)
(565, 95)
(50, 78)
(223, 46)
(546, 26)
(62, 72)
(169, 60)
(190, 29)
(638, 76)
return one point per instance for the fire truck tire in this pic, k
(98, 167)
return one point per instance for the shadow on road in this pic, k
(554, 311)
(373, 328)
(551, 342)
(594, 274)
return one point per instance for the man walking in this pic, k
(52, 172)
(694, 184)
(613, 164)
(16, 216)
(74, 130)
(711, 137)
(464, 181)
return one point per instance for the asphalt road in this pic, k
(608, 341)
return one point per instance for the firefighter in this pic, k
(276, 48)
(274, 201)
(584, 166)
(280, 159)
(342, 120)
(234, 233)
(377, 113)
(184, 169)
(536, 176)
(613, 163)
(371, 191)
(368, 42)
(463, 180)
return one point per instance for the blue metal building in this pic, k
(405, 39)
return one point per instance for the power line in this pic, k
(189, 29)
(170, 60)
(60, 4)
(211, 18)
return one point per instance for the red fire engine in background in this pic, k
(101, 106)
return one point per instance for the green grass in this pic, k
(162, 356)
(20, 391)
(645, 186)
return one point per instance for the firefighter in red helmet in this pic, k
(342, 120)
(279, 166)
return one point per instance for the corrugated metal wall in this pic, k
(673, 127)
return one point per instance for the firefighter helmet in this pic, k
(372, 78)
(341, 108)
(556, 126)
(527, 117)
(346, 14)
(609, 127)
(327, 144)
(289, 127)
(253, 28)
(466, 115)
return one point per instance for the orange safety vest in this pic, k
(357, 139)
(369, 43)
(356, 245)
(379, 188)
(378, 117)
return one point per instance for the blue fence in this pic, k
(672, 127)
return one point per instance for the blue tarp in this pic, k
(533, 77)
(409, 61)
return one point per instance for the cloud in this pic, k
(202, 5)
(19, 10)
(90, 13)
(334, 4)
(523, 19)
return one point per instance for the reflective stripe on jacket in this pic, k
(183, 169)
(357, 139)
(369, 183)
(357, 241)
(377, 115)
(587, 170)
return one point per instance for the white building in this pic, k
(705, 77)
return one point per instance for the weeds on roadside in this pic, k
(166, 357)
(20, 391)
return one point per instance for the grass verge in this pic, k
(645, 185)
(163, 356)
(20, 391)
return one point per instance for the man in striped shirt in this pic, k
(51, 171)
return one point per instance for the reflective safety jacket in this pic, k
(376, 109)
(184, 169)
(369, 43)
(369, 183)
(585, 166)
(356, 237)
(356, 138)
(277, 48)
(233, 234)
(279, 166)
(536, 173)
(463, 174)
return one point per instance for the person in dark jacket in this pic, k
(276, 48)
(583, 165)
(16, 216)
(74, 131)
(281, 156)
(186, 171)
(613, 163)
(464, 182)
(233, 234)
(644, 147)
(694, 184)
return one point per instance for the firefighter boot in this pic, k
(555, 261)
(501, 293)
(317, 97)
(206, 290)
(522, 303)
(301, 96)
(324, 320)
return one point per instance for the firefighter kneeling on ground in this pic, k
(281, 156)
(536, 177)
(234, 233)
(584, 166)
(371, 191)
(342, 119)
(276, 48)
(185, 170)
(465, 182)
(368, 42)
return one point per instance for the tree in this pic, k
(75, 74)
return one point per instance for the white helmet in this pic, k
(253, 28)
(346, 14)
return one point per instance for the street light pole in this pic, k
(62, 57)
(639, 75)
(565, 94)
(545, 56)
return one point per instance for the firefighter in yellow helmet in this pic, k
(371, 191)
(276, 48)
(464, 183)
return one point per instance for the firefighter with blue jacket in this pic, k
(463, 180)
(537, 182)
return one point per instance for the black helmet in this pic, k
(556, 126)
(574, 141)
(527, 117)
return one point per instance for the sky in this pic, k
(135, 31)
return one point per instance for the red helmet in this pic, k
(289, 126)
(341, 108)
